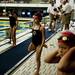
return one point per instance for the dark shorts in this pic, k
(55, 17)
(66, 19)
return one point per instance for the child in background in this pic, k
(64, 55)
(13, 19)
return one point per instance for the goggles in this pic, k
(66, 38)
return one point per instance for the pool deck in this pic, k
(28, 66)
(5, 45)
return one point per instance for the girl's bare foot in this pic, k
(14, 45)
(36, 73)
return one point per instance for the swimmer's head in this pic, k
(67, 38)
(37, 16)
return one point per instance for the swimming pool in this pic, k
(22, 27)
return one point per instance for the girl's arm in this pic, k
(67, 62)
(52, 57)
(43, 35)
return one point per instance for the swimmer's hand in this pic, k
(44, 45)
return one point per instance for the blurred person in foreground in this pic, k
(64, 56)
(38, 39)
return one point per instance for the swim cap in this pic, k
(67, 38)
(37, 15)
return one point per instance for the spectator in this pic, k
(66, 14)
(51, 11)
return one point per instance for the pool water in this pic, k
(22, 27)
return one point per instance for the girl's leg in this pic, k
(14, 36)
(66, 26)
(31, 47)
(53, 25)
(10, 35)
(38, 55)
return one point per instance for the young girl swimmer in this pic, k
(38, 39)
(64, 56)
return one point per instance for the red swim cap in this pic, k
(67, 38)
(37, 15)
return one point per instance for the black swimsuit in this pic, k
(36, 37)
(12, 21)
